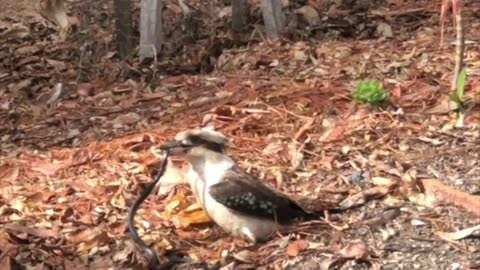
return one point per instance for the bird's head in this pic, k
(197, 142)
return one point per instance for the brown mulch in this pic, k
(401, 183)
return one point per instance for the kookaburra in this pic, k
(235, 200)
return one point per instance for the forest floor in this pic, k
(399, 185)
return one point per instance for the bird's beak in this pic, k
(171, 144)
(175, 147)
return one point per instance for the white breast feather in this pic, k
(201, 176)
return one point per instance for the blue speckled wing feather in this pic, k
(248, 195)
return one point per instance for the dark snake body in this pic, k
(149, 253)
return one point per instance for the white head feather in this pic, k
(207, 133)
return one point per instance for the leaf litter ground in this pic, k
(404, 182)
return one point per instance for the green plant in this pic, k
(458, 97)
(371, 92)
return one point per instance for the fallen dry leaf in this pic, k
(296, 154)
(38, 232)
(366, 195)
(47, 167)
(5, 262)
(18, 204)
(16, 31)
(5, 251)
(326, 162)
(245, 256)
(175, 202)
(84, 235)
(39, 197)
(308, 125)
(127, 119)
(74, 265)
(458, 235)
(354, 250)
(232, 78)
(334, 134)
(190, 216)
(444, 105)
(296, 247)
(435, 193)
(384, 30)
(382, 181)
(8, 173)
(55, 93)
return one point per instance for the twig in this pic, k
(309, 124)
(80, 60)
(286, 111)
(396, 12)
(73, 118)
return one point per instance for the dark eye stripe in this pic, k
(216, 147)
(194, 139)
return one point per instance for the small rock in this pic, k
(356, 177)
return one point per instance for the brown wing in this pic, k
(246, 194)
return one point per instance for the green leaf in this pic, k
(460, 103)
(461, 81)
(455, 99)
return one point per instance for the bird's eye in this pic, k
(195, 140)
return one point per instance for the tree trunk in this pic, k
(273, 18)
(123, 24)
(239, 15)
(151, 28)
